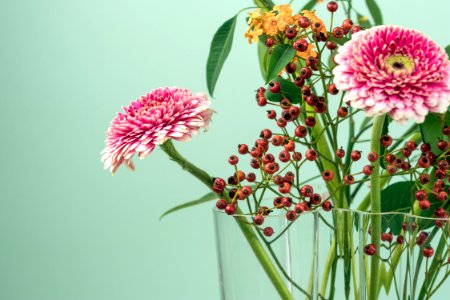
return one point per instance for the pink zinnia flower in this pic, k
(390, 69)
(165, 113)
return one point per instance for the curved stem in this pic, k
(375, 206)
(248, 231)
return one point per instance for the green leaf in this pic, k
(431, 130)
(205, 198)
(288, 90)
(375, 11)
(309, 5)
(280, 57)
(218, 52)
(263, 56)
(397, 197)
(447, 49)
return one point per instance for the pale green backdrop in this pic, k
(68, 229)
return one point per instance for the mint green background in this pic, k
(68, 229)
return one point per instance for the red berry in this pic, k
(233, 160)
(277, 140)
(268, 231)
(349, 179)
(424, 178)
(442, 145)
(332, 6)
(355, 155)
(428, 251)
(269, 42)
(306, 191)
(342, 112)
(406, 152)
(284, 187)
(421, 238)
(446, 130)
(442, 196)
(301, 131)
(284, 156)
(289, 177)
(230, 209)
(315, 199)
(305, 73)
(372, 156)
(425, 147)
(400, 239)
(327, 205)
(340, 153)
(277, 202)
(331, 45)
(286, 201)
(290, 67)
(347, 24)
(221, 204)
(332, 89)
(251, 177)
(281, 122)
(274, 87)
(254, 163)
(424, 205)
(219, 185)
(291, 215)
(367, 170)
(356, 28)
(320, 107)
(243, 149)
(327, 175)
(258, 220)
(421, 195)
(299, 82)
(338, 32)
(301, 45)
(289, 146)
(411, 145)
(386, 140)
(294, 111)
(392, 169)
(291, 33)
(310, 121)
(304, 22)
(271, 168)
(311, 154)
(440, 174)
(390, 158)
(306, 90)
(369, 249)
(423, 162)
(297, 156)
(387, 237)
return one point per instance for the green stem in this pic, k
(247, 230)
(375, 206)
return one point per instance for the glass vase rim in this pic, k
(350, 210)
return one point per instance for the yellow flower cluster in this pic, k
(270, 23)
(276, 21)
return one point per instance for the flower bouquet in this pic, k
(292, 219)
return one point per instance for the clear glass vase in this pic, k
(326, 255)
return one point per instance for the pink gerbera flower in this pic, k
(390, 69)
(165, 113)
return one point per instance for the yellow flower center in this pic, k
(399, 64)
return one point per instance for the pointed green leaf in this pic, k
(375, 11)
(205, 198)
(288, 90)
(431, 130)
(309, 5)
(263, 55)
(447, 49)
(397, 197)
(218, 53)
(280, 57)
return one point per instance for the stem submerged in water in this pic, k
(248, 231)
(375, 203)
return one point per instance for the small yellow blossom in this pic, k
(274, 24)
(252, 34)
(254, 16)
